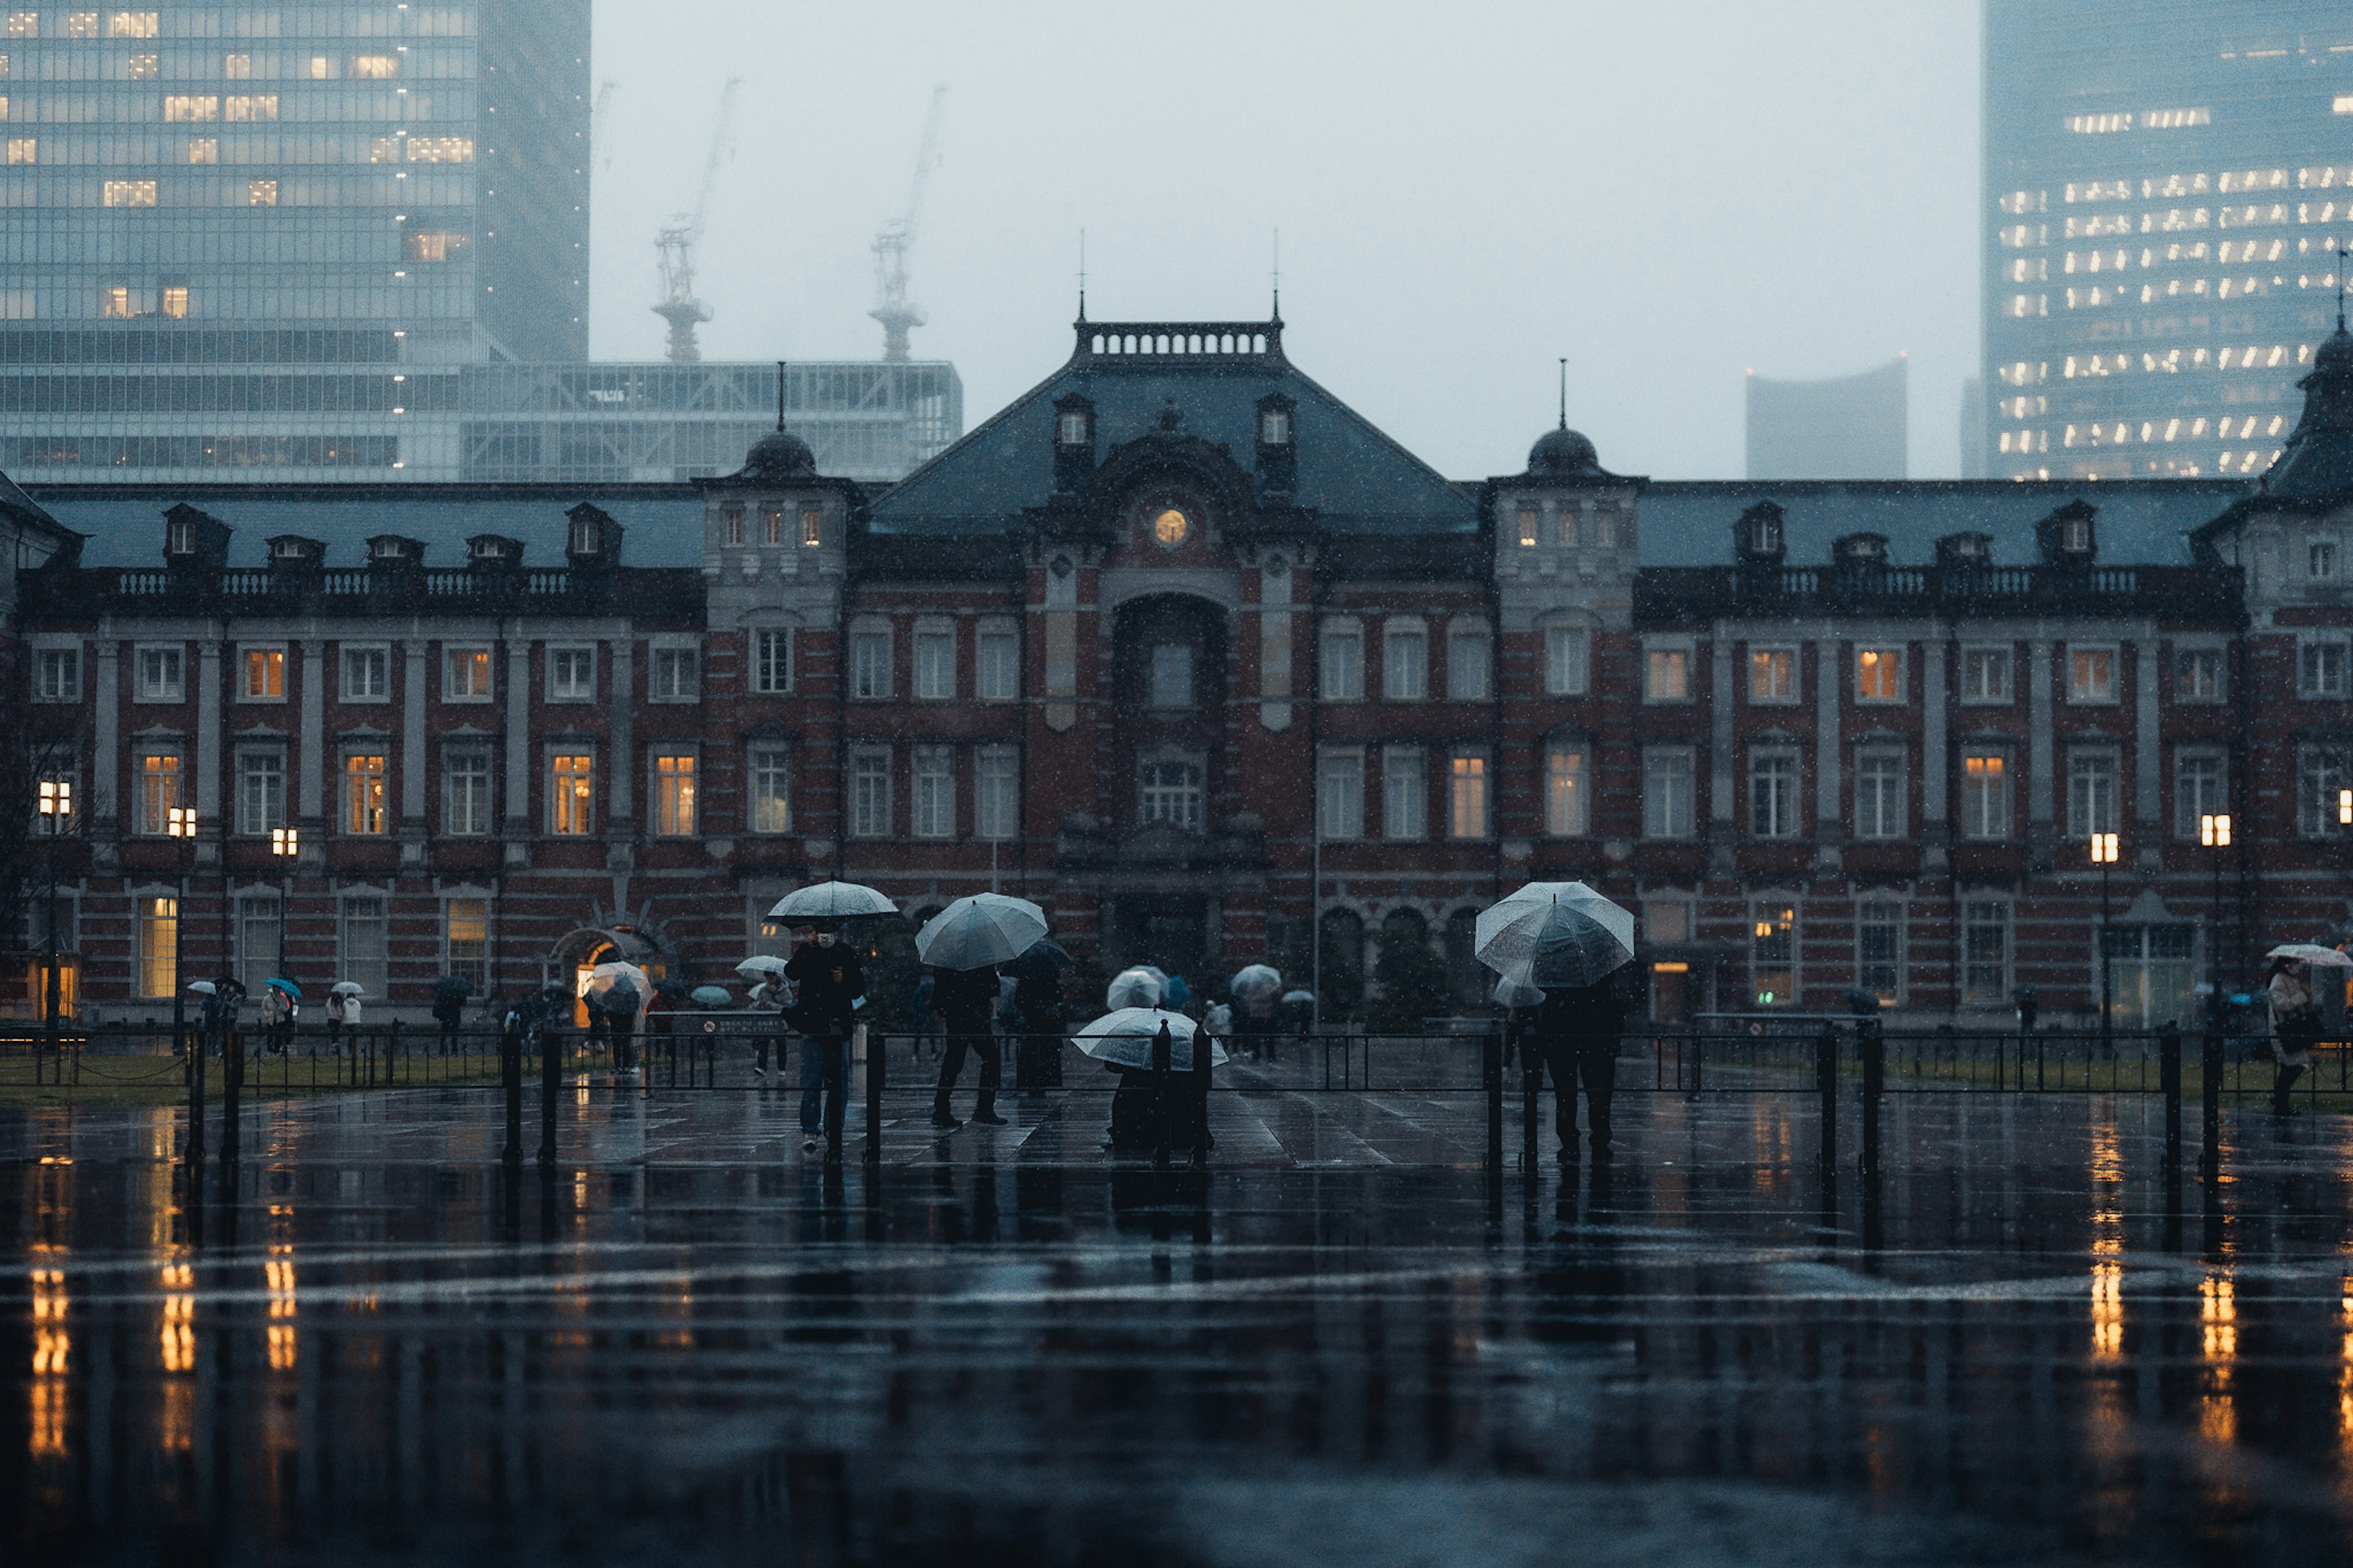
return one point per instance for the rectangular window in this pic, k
(934, 802)
(1171, 792)
(870, 666)
(466, 675)
(1984, 674)
(772, 789)
(935, 672)
(1405, 805)
(772, 525)
(58, 789)
(2152, 974)
(2320, 560)
(674, 794)
(571, 674)
(364, 792)
(375, 68)
(1467, 663)
(1773, 795)
(1343, 661)
(181, 108)
(812, 527)
(1879, 674)
(1666, 675)
(1880, 807)
(1879, 951)
(24, 149)
(1340, 795)
(254, 106)
(1528, 520)
(2200, 789)
(260, 791)
(571, 793)
(999, 660)
(257, 940)
(2320, 775)
(161, 675)
(2090, 675)
(870, 794)
(1467, 800)
(1569, 667)
(466, 941)
(24, 25)
(678, 675)
(56, 675)
(361, 953)
(2321, 669)
(2197, 674)
(129, 193)
(238, 67)
(1985, 794)
(142, 67)
(265, 675)
(2091, 793)
(1568, 792)
(1405, 664)
(368, 675)
(1773, 955)
(1667, 794)
(996, 793)
(772, 662)
(1171, 679)
(1772, 675)
(158, 793)
(466, 791)
(158, 947)
(81, 24)
(1985, 952)
(132, 25)
(203, 149)
(261, 193)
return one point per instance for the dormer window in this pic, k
(1764, 535)
(286, 549)
(812, 526)
(730, 524)
(1528, 519)
(180, 538)
(1070, 427)
(2076, 536)
(1274, 427)
(585, 536)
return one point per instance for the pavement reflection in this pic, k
(686, 1343)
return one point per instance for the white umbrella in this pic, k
(1554, 934)
(346, 988)
(2312, 953)
(1137, 987)
(760, 965)
(832, 901)
(1256, 980)
(978, 929)
(1125, 1038)
(606, 976)
(202, 987)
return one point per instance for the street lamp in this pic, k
(56, 810)
(284, 844)
(180, 822)
(2104, 855)
(2214, 833)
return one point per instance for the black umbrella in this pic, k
(455, 987)
(1861, 1003)
(1041, 959)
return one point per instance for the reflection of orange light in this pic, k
(1671, 969)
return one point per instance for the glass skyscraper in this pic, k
(269, 237)
(2168, 182)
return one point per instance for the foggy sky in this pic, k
(1669, 192)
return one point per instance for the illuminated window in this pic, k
(265, 675)
(772, 526)
(1567, 791)
(81, 24)
(440, 149)
(1772, 675)
(375, 68)
(261, 193)
(1879, 950)
(571, 793)
(236, 68)
(674, 794)
(2174, 119)
(1985, 795)
(2098, 125)
(1666, 675)
(772, 789)
(1773, 955)
(1529, 516)
(2092, 675)
(812, 526)
(1467, 796)
(2343, 103)
(253, 106)
(1879, 674)
(158, 794)
(132, 25)
(364, 792)
(2197, 674)
(203, 149)
(142, 67)
(24, 149)
(466, 941)
(24, 24)
(432, 245)
(934, 802)
(466, 675)
(321, 68)
(131, 192)
(158, 947)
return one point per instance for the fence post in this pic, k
(549, 1048)
(1874, 1044)
(232, 1072)
(192, 1043)
(878, 1049)
(1490, 1077)
(1162, 1134)
(1202, 1051)
(1531, 1098)
(2169, 1073)
(511, 1079)
(1826, 1066)
(2210, 1160)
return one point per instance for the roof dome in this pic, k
(777, 456)
(1562, 451)
(2336, 353)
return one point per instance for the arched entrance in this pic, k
(582, 950)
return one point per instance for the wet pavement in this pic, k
(1342, 1343)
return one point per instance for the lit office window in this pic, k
(674, 794)
(364, 792)
(1568, 792)
(571, 793)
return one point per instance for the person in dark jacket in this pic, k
(831, 982)
(966, 1000)
(1576, 1037)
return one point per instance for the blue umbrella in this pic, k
(280, 983)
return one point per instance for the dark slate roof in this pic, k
(1352, 476)
(2317, 462)
(124, 524)
(1688, 523)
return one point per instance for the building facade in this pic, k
(1182, 647)
(1838, 428)
(2167, 184)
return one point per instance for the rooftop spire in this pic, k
(780, 395)
(1564, 391)
(1277, 314)
(1082, 275)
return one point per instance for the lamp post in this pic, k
(2214, 833)
(56, 811)
(2104, 855)
(180, 822)
(284, 844)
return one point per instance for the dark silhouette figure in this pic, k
(966, 1000)
(1576, 1037)
(830, 982)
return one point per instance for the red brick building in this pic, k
(1182, 647)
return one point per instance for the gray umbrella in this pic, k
(832, 901)
(979, 929)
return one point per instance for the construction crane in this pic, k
(674, 247)
(895, 239)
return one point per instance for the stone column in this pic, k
(414, 679)
(1828, 775)
(517, 757)
(106, 736)
(2041, 790)
(2148, 797)
(208, 749)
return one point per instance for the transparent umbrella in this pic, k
(1255, 980)
(1137, 987)
(832, 901)
(1554, 934)
(762, 965)
(1125, 1038)
(978, 929)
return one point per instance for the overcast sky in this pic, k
(1669, 192)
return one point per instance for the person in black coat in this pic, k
(1576, 1035)
(830, 982)
(966, 1000)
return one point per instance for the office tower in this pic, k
(2167, 184)
(1843, 427)
(268, 237)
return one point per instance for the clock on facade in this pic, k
(1171, 527)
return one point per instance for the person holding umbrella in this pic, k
(1038, 1009)
(964, 944)
(281, 1003)
(831, 984)
(771, 995)
(1573, 943)
(2288, 986)
(449, 994)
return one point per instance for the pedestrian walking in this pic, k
(2295, 1025)
(449, 1010)
(831, 985)
(277, 1014)
(1576, 1037)
(1217, 1023)
(966, 1001)
(769, 999)
(342, 1015)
